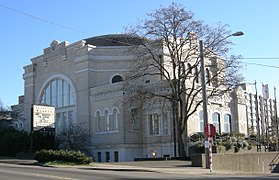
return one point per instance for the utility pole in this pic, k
(204, 103)
(204, 96)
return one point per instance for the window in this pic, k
(153, 124)
(158, 124)
(107, 156)
(165, 124)
(59, 92)
(227, 123)
(54, 92)
(20, 125)
(115, 119)
(47, 96)
(216, 122)
(99, 157)
(201, 121)
(107, 121)
(134, 122)
(66, 93)
(99, 121)
(116, 156)
(117, 79)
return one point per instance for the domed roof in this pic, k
(114, 40)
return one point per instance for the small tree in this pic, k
(75, 138)
(170, 54)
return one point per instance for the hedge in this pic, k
(74, 157)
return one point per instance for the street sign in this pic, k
(210, 130)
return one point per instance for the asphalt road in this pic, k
(33, 172)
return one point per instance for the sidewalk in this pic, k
(172, 166)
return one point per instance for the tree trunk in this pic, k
(174, 129)
(181, 147)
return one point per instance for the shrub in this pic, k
(236, 149)
(13, 141)
(228, 145)
(74, 157)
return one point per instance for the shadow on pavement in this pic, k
(118, 169)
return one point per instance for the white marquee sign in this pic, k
(43, 116)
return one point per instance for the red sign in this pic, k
(210, 130)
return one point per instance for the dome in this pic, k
(114, 40)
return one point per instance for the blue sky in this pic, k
(27, 27)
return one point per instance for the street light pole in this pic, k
(204, 96)
(204, 104)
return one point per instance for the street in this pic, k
(32, 172)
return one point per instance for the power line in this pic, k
(261, 58)
(264, 65)
(43, 20)
(109, 39)
(61, 26)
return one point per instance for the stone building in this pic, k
(261, 111)
(85, 82)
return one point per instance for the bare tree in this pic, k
(5, 112)
(73, 138)
(2, 108)
(170, 54)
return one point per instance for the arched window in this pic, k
(107, 122)
(227, 123)
(60, 93)
(115, 119)
(99, 121)
(20, 125)
(117, 79)
(207, 76)
(216, 122)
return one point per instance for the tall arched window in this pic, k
(107, 121)
(117, 79)
(115, 119)
(227, 123)
(99, 121)
(216, 122)
(59, 92)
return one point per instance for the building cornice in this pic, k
(28, 75)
